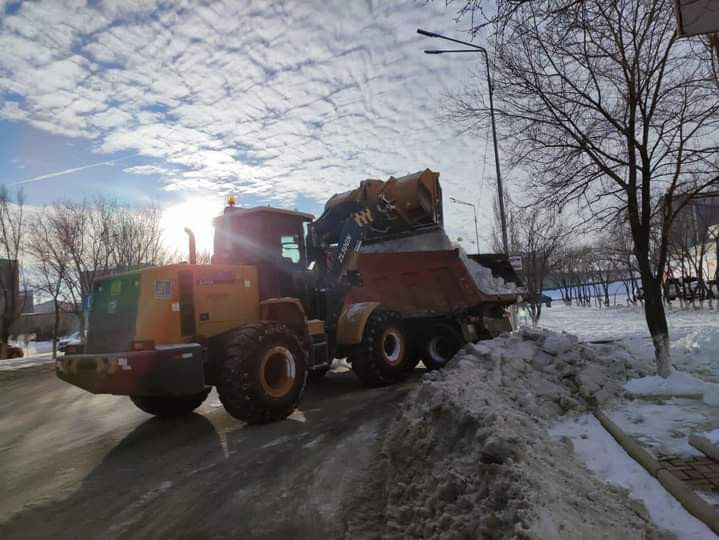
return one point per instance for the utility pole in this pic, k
(477, 48)
(476, 228)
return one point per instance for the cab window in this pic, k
(290, 247)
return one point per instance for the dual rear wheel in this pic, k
(389, 349)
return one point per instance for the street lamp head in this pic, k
(426, 33)
(435, 51)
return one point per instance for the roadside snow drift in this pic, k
(469, 454)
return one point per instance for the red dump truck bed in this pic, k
(428, 283)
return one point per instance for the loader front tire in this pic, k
(170, 405)
(380, 359)
(264, 373)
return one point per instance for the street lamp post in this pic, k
(477, 48)
(476, 229)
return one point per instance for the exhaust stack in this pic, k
(193, 249)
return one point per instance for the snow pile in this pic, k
(485, 280)
(469, 454)
(555, 372)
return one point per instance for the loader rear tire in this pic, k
(170, 405)
(441, 344)
(264, 373)
(380, 359)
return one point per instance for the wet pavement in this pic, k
(75, 465)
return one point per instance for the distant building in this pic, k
(694, 236)
(41, 321)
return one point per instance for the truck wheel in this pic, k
(317, 374)
(380, 358)
(441, 344)
(264, 373)
(170, 405)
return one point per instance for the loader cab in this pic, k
(272, 239)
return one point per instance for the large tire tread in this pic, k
(240, 390)
(366, 358)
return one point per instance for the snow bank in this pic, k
(470, 456)
(677, 384)
(601, 453)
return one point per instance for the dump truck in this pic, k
(374, 279)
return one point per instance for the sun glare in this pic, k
(195, 214)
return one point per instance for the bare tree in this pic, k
(102, 236)
(134, 235)
(711, 42)
(536, 235)
(620, 254)
(11, 240)
(606, 110)
(50, 264)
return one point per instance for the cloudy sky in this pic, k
(280, 102)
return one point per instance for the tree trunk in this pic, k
(5, 337)
(55, 329)
(657, 323)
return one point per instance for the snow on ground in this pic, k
(37, 353)
(693, 333)
(664, 427)
(608, 460)
(660, 425)
(470, 455)
(677, 384)
(12, 364)
(622, 322)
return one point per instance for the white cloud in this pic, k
(147, 169)
(275, 100)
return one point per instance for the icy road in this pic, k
(74, 465)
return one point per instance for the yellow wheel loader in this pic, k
(283, 296)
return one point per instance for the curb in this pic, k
(704, 445)
(693, 503)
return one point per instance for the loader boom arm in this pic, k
(375, 209)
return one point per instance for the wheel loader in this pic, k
(374, 279)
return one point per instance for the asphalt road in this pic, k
(74, 465)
